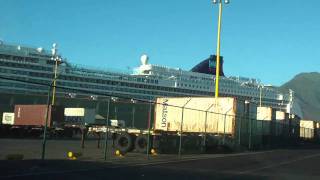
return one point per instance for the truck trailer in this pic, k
(199, 123)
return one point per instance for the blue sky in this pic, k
(271, 40)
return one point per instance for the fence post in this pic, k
(107, 130)
(205, 130)
(239, 131)
(205, 125)
(250, 133)
(149, 124)
(133, 114)
(133, 111)
(224, 129)
(224, 126)
(181, 126)
(46, 125)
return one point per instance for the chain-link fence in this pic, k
(93, 125)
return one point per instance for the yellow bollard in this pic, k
(73, 156)
(70, 154)
(153, 152)
(118, 153)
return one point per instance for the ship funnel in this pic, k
(144, 59)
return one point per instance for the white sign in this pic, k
(8, 118)
(74, 112)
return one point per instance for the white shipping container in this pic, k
(264, 113)
(280, 116)
(8, 118)
(309, 124)
(73, 111)
(306, 133)
(200, 114)
(307, 129)
(79, 115)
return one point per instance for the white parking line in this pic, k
(186, 159)
(278, 164)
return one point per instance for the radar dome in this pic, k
(144, 59)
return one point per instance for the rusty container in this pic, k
(35, 115)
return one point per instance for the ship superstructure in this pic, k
(146, 81)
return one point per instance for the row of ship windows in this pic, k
(75, 85)
(50, 69)
(80, 79)
(72, 78)
(226, 90)
(26, 66)
(203, 80)
(138, 86)
(25, 59)
(192, 86)
(19, 58)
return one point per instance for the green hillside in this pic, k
(307, 90)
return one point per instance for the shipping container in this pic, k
(79, 116)
(307, 129)
(265, 113)
(280, 116)
(8, 118)
(35, 115)
(266, 119)
(199, 115)
(282, 122)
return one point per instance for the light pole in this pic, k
(57, 60)
(218, 45)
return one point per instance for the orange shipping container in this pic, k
(35, 115)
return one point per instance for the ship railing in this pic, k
(16, 49)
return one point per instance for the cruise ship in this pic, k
(147, 81)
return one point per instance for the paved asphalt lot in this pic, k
(277, 164)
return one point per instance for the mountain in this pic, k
(306, 87)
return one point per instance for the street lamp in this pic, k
(55, 57)
(218, 45)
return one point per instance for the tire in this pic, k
(124, 142)
(141, 143)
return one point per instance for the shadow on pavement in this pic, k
(66, 169)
